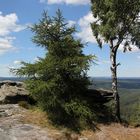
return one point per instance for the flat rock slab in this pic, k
(11, 127)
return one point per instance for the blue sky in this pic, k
(16, 44)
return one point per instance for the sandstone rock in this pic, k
(12, 92)
(12, 127)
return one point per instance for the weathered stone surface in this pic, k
(12, 128)
(11, 83)
(12, 92)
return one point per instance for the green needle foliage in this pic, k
(59, 81)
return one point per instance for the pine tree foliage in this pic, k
(59, 80)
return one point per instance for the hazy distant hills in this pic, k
(126, 83)
(12, 78)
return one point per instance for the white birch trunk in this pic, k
(113, 53)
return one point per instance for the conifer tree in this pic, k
(58, 80)
(118, 23)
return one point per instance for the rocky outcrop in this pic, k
(13, 92)
(99, 95)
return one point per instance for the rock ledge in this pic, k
(12, 92)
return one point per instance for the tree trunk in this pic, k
(113, 53)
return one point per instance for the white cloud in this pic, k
(17, 62)
(8, 25)
(134, 48)
(6, 44)
(74, 2)
(86, 33)
(71, 23)
(138, 57)
(36, 59)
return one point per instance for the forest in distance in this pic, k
(123, 82)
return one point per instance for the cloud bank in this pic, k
(85, 30)
(8, 25)
(72, 2)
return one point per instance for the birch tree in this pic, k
(117, 24)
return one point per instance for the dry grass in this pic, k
(39, 118)
(36, 117)
(106, 132)
(113, 131)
